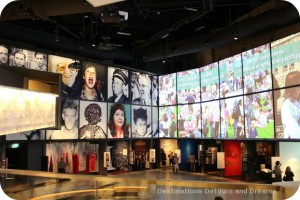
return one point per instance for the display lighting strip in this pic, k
(23, 110)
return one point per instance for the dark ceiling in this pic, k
(157, 28)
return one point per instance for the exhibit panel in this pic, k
(188, 86)
(141, 122)
(286, 61)
(168, 122)
(257, 69)
(209, 76)
(79, 157)
(69, 69)
(69, 121)
(27, 59)
(167, 90)
(287, 113)
(93, 81)
(119, 120)
(189, 121)
(140, 88)
(92, 123)
(118, 85)
(231, 76)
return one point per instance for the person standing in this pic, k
(278, 175)
(192, 162)
(175, 161)
(289, 175)
(61, 166)
(163, 159)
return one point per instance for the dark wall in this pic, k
(187, 147)
(35, 153)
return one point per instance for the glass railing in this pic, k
(25, 184)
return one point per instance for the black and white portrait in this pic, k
(93, 120)
(118, 87)
(140, 87)
(27, 59)
(69, 124)
(154, 93)
(3, 55)
(141, 122)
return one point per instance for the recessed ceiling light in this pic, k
(98, 3)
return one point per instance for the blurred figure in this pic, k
(289, 175)
(3, 55)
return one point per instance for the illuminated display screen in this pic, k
(286, 60)
(210, 119)
(141, 122)
(287, 113)
(209, 82)
(188, 86)
(231, 76)
(259, 119)
(168, 121)
(167, 90)
(188, 121)
(257, 69)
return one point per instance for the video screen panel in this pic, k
(168, 122)
(287, 113)
(167, 90)
(69, 121)
(27, 135)
(286, 61)
(259, 117)
(210, 119)
(26, 59)
(119, 120)
(117, 85)
(257, 69)
(209, 82)
(232, 118)
(93, 82)
(140, 87)
(231, 76)
(154, 89)
(69, 69)
(155, 124)
(188, 86)
(92, 123)
(141, 122)
(188, 124)
(4, 53)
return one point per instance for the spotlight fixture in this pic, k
(235, 35)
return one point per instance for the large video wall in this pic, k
(251, 95)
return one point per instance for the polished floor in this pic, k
(168, 185)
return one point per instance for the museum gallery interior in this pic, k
(120, 87)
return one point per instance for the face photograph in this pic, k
(92, 121)
(140, 87)
(69, 70)
(155, 91)
(285, 59)
(209, 82)
(93, 82)
(188, 86)
(3, 55)
(231, 76)
(141, 122)
(22, 58)
(117, 85)
(119, 120)
(155, 124)
(69, 123)
(40, 63)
